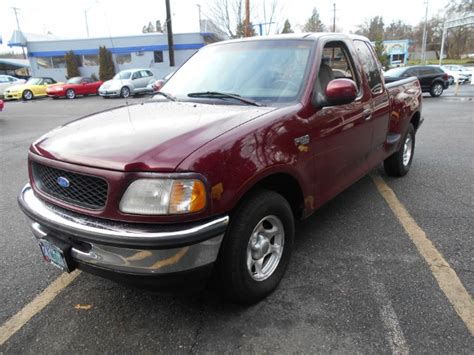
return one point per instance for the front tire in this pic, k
(399, 163)
(257, 247)
(436, 89)
(27, 95)
(70, 94)
(125, 92)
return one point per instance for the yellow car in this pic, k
(34, 87)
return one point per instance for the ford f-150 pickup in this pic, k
(208, 177)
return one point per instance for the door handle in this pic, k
(367, 114)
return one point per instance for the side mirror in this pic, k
(340, 92)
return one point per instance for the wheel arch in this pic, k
(284, 183)
(415, 120)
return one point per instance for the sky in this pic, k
(113, 17)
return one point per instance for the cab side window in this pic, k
(336, 63)
(371, 68)
(135, 75)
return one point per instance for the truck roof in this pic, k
(295, 36)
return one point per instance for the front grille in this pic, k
(82, 190)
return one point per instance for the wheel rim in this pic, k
(70, 94)
(265, 248)
(438, 89)
(28, 95)
(125, 92)
(407, 150)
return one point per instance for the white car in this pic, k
(7, 80)
(126, 83)
(457, 73)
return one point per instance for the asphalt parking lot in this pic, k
(356, 282)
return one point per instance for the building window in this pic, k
(44, 62)
(90, 60)
(123, 58)
(158, 55)
(59, 62)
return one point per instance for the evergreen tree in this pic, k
(381, 53)
(72, 65)
(106, 64)
(240, 32)
(314, 23)
(158, 27)
(287, 27)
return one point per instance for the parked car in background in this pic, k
(34, 87)
(78, 85)
(432, 79)
(457, 73)
(211, 175)
(156, 84)
(7, 80)
(126, 83)
(2, 105)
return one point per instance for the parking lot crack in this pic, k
(197, 333)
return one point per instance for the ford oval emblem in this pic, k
(63, 182)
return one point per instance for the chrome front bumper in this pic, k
(124, 247)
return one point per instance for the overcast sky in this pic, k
(113, 17)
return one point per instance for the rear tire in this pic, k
(436, 89)
(27, 95)
(399, 163)
(70, 94)
(256, 248)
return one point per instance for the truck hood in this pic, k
(153, 136)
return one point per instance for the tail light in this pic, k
(445, 77)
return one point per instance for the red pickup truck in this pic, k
(208, 177)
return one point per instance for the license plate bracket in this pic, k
(57, 253)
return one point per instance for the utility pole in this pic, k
(15, 10)
(247, 19)
(199, 9)
(170, 33)
(334, 18)
(425, 35)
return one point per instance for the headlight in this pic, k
(164, 196)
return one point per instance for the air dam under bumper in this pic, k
(124, 247)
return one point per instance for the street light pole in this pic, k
(199, 9)
(87, 24)
(15, 9)
(425, 35)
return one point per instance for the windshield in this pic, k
(122, 75)
(75, 80)
(35, 81)
(395, 72)
(265, 71)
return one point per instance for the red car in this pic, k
(1, 105)
(78, 85)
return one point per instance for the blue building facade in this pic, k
(150, 50)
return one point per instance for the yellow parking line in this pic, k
(15, 323)
(446, 277)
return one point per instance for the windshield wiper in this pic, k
(168, 96)
(223, 95)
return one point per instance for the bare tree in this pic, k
(270, 13)
(227, 14)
